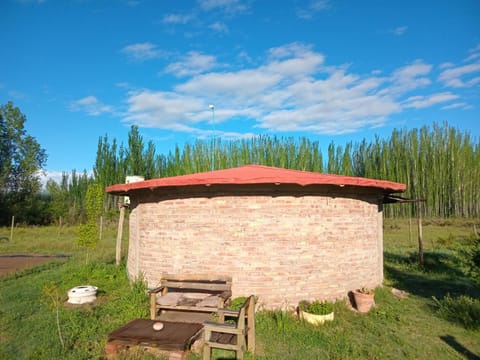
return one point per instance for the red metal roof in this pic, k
(256, 174)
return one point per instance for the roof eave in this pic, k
(127, 189)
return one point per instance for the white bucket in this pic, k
(82, 294)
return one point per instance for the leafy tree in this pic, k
(88, 233)
(94, 201)
(21, 159)
(58, 198)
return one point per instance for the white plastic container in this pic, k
(82, 294)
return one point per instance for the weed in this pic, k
(469, 259)
(463, 310)
(237, 303)
(52, 298)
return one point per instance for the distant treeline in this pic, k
(440, 164)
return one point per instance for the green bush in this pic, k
(469, 259)
(463, 310)
(316, 307)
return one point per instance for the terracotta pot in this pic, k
(315, 319)
(363, 302)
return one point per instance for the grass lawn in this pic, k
(35, 323)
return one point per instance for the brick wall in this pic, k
(282, 247)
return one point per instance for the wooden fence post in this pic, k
(11, 228)
(118, 252)
(101, 228)
(420, 233)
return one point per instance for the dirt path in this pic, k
(12, 263)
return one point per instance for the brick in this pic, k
(317, 245)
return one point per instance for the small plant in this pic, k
(237, 303)
(463, 310)
(469, 260)
(53, 300)
(316, 307)
(365, 290)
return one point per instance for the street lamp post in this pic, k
(212, 107)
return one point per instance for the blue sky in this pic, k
(331, 70)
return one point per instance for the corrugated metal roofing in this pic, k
(256, 174)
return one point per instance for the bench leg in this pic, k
(153, 306)
(206, 352)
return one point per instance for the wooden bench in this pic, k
(198, 293)
(237, 337)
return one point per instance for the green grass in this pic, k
(416, 327)
(54, 240)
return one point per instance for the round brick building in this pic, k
(283, 235)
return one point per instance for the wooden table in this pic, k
(174, 340)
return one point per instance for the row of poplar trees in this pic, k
(440, 164)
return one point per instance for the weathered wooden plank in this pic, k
(195, 285)
(197, 277)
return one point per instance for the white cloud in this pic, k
(166, 110)
(57, 175)
(312, 8)
(475, 49)
(421, 101)
(177, 19)
(229, 6)
(142, 51)
(290, 50)
(219, 26)
(319, 5)
(133, 3)
(123, 85)
(17, 95)
(409, 77)
(292, 90)
(472, 57)
(446, 65)
(191, 64)
(400, 30)
(460, 105)
(455, 76)
(54, 175)
(242, 85)
(91, 105)
(32, 1)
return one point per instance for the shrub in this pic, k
(469, 256)
(316, 307)
(463, 310)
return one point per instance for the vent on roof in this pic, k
(128, 180)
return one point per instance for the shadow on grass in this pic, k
(438, 277)
(454, 344)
